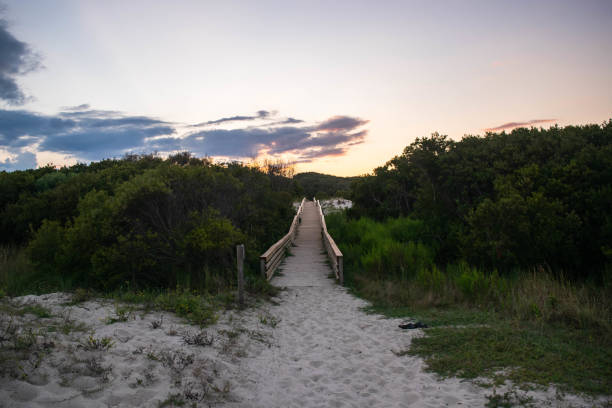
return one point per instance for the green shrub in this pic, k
(146, 221)
(431, 278)
(17, 275)
(383, 250)
(405, 229)
(473, 283)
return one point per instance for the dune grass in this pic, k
(19, 277)
(540, 330)
(532, 327)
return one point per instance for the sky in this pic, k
(335, 87)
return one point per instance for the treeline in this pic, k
(319, 185)
(532, 198)
(143, 221)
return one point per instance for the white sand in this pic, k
(330, 205)
(315, 348)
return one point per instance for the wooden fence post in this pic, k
(240, 263)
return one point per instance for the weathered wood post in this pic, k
(240, 264)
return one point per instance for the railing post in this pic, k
(262, 267)
(240, 265)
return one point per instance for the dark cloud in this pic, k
(261, 114)
(307, 143)
(288, 121)
(103, 142)
(92, 136)
(16, 58)
(18, 123)
(82, 107)
(310, 155)
(291, 121)
(340, 123)
(512, 125)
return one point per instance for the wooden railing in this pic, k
(333, 253)
(270, 259)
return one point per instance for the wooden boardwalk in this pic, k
(307, 265)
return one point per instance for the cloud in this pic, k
(288, 121)
(291, 121)
(92, 134)
(16, 58)
(512, 125)
(329, 138)
(261, 114)
(25, 160)
(89, 134)
(340, 123)
(78, 108)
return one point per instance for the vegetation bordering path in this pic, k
(501, 244)
(530, 328)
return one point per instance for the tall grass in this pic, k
(541, 327)
(392, 264)
(15, 271)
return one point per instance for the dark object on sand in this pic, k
(417, 325)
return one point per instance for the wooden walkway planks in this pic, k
(307, 265)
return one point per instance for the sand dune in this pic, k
(316, 348)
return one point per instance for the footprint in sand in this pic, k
(316, 364)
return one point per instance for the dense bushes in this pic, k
(530, 198)
(398, 270)
(145, 221)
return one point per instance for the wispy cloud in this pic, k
(262, 114)
(512, 125)
(16, 58)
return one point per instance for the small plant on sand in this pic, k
(69, 325)
(25, 340)
(176, 360)
(157, 324)
(201, 338)
(268, 320)
(191, 306)
(150, 354)
(96, 369)
(173, 400)
(508, 400)
(37, 310)
(8, 328)
(99, 343)
(81, 295)
(146, 380)
(230, 333)
(122, 314)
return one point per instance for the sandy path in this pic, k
(327, 352)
